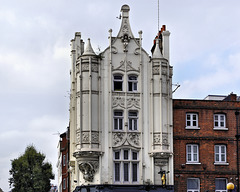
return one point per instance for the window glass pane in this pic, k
(135, 124)
(192, 184)
(135, 86)
(188, 117)
(194, 123)
(134, 155)
(125, 154)
(132, 78)
(118, 113)
(220, 184)
(117, 155)
(195, 157)
(118, 77)
(132, 114)
(117, 86)
(217, 149)
(120, 124)
(216, 117)
(117, 171)
(194, 149)
(134, 172)
(130, 86)
(126, 173)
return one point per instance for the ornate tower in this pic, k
(121, 114)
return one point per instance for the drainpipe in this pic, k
(237, 137)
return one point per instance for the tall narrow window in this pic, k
(220, 154)
(132, 83)
(193, 185)
(118, 120)
(126, 166)
(64, 183)
(64, 160)
(192, 153)
(220, 185)
(192, 120)
(219, 121)
(133, 120)
(117, 83)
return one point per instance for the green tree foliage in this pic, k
(29, 172)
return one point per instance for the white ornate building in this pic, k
(121, 136)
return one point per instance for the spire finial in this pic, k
(89, 50)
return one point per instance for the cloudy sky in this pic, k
(35, 58)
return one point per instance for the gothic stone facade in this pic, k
(121, 136)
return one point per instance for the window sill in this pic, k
(190, 127)
(221, 163)
(220, 128)
(193, 163)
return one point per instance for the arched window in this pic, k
(118, 120)
(132, 83)
(118, 82)
(133, 120)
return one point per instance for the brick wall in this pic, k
(206, 137)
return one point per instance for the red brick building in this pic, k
(64, 151)
(206, 143)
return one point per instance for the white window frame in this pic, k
(219, 121)
(132, 120)
(193, 190)
(191, 119)
(118, 81)
(220, 153)
(117, 119)
(194, 155)
(221, 190)
(132, 83)
(126, 163)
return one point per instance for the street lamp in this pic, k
(230, 187)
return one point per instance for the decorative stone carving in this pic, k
(95, 137)
(78, 135)
(95, 68)
(136, 52)
(155, 70)
(114, 50)
(156, 138)
(88, 170)
(85, 67)
(134, 139)
(118, 139)
(133, 102)
(165, 139)
(118, 101)
(85, 137)
(160, 162)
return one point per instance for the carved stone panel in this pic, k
(134, 139)
(160, 162)
(95, 137)
(85, 137)
(118, 101)
(155, 70)
(132, 101)
(85, 67)
(88, 169)
(118, 139)
(156, 138)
